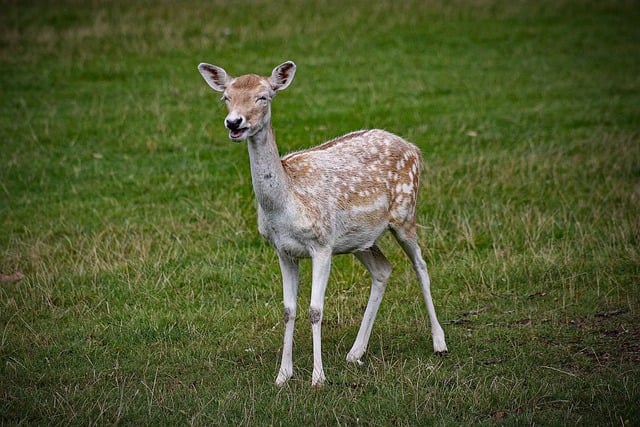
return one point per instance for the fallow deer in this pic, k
(335, 198)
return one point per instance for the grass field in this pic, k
(134, 286)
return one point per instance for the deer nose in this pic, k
(233, 124)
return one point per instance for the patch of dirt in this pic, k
(619, 345)
(16, 276)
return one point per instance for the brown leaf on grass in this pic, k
(465, 314)
(538, 294)
(500, 415)
(491, 362)
(523, 322)
(11, 278)
(478, 311)
(610, 313)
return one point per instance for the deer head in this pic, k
(248, 98)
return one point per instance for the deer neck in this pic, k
(267, 174)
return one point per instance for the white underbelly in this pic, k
(349, 230)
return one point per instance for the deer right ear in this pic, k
(215, 77)
(282, 76)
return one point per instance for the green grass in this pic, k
(149, 298)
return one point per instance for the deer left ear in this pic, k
(282, 76)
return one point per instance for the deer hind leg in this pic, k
(380, 269)
(407, 238)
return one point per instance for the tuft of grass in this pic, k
(147, 295)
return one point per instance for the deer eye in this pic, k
(226, 99)
(262, 98)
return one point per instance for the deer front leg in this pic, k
(321, 266)
(289, 270)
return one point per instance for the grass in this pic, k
(148, 296)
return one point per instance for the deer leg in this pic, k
(380, 269)
(289, 269)
(410, 246)
(321, 267)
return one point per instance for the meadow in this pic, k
(135, 289)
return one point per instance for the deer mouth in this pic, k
(238, 134)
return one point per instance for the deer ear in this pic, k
(216, 77)
(282, 76)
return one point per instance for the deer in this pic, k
(335, 198)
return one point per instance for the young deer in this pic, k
(336, 198)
